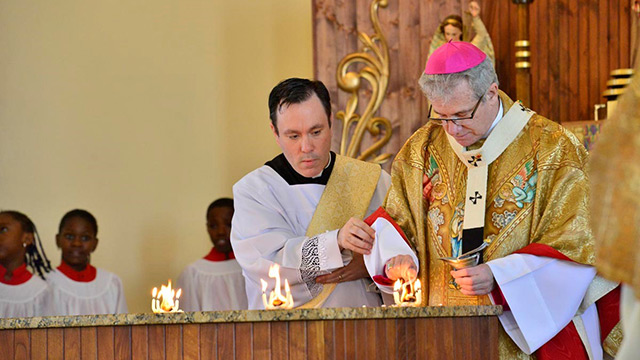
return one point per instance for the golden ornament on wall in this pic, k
(374, 68)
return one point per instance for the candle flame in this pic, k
(166, 300)
(407, 293)
(276, 299)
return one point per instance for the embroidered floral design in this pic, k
(310, 266)
(489, 239)
(436, 218)
(426, 186)
(521, 189)
(455, 229)
(524, 185)
(502, 220)
(431, 179)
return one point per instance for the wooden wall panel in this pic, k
(429, 338)
(139, 345)
(243, 342)
(121, 344)
(261, 340)
(72, 343)
(173, 342)
(279, 340)
(106, 344)
(575, 44)
(225, 341)
(6, 342)
(88, 339)
(208, 342)
(55, 343)
(38, 346)
(22, 345)
(191, 339)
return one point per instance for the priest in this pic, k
(303, 209)
(487, 170)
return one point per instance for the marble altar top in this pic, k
(249, 316)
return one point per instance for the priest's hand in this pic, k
(356, 236)
(477, 280)
(401, 267)
(353, 271)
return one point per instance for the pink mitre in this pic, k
(454, 57)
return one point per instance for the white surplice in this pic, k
(31, 298)
(545, 294)
(212, 286)
(102, 295)
(269, 226)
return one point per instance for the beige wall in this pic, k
(141, 112)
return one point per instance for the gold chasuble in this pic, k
(616, 191)
(347, 194)
(536, 192)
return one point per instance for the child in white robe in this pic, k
(215, 282)
(78, 287)
(21, 293)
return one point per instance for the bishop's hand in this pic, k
(401, 267)
(477, 280)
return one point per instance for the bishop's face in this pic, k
(304, 135)
(461, 105)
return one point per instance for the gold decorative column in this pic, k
(523, 53)
(374, 68)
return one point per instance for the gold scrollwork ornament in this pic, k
(374, 58)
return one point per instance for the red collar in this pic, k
(86, 275)
(215, 255)
(20, 275)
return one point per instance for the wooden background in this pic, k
(574, 43)
(413, 338)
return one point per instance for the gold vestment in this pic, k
(537, 192)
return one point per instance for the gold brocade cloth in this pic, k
(537, 192)
(616, 191)
(347, 194)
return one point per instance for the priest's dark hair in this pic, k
(296, 91)
(82, 214)
(35, 256)
(222, 202)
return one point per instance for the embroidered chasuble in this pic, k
(536, 192)
(615, 212)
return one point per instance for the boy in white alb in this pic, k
(78, 287)
(215, 282)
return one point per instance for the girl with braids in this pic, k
(78, 287)
(21, 293)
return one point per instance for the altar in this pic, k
(444, 332)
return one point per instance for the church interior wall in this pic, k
(141, 112)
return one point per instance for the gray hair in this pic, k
(440, 86)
